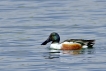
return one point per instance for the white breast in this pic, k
(55, 46)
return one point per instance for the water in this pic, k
(25, 24)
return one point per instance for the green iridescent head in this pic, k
(53, 37)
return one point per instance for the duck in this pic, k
(68, 44)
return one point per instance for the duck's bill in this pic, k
(45, 42)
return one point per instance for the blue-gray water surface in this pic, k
(25, 24)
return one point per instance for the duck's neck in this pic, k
(55, 42)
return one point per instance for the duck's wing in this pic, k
(72, 40)
(88, 43)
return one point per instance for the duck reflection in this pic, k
(56, 53)
(53, 54)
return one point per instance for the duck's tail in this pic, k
(89, 43)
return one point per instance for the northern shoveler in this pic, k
(71, 44)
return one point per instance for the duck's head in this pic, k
(53, 37)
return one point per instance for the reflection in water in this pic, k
(56, 53)
(53, 54)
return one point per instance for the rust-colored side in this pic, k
(74, 46)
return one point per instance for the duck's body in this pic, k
(66, 46)
(71, 44)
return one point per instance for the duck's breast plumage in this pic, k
(55, 46)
